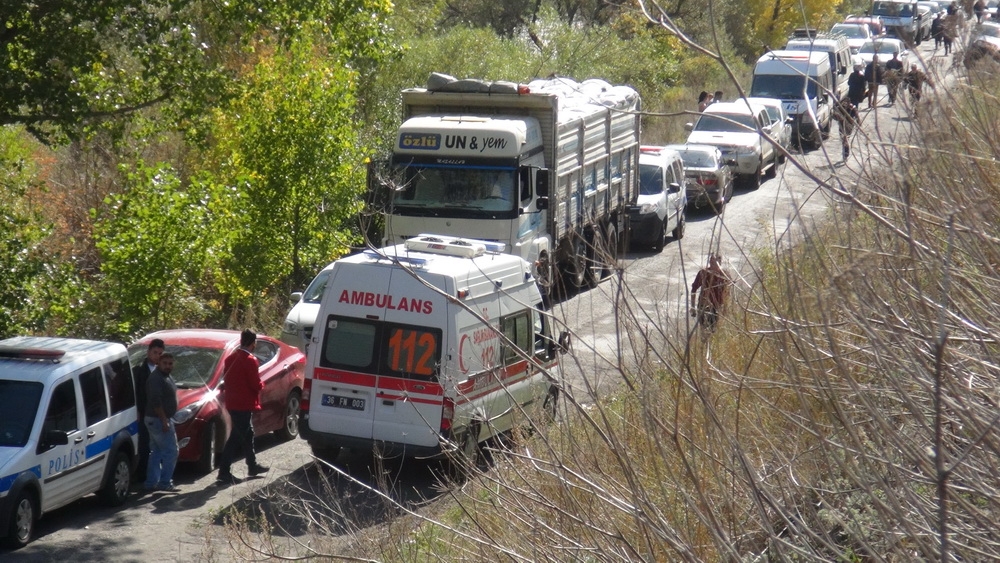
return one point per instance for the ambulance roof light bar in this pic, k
(452, 246)
(409, 260)
(31, 353)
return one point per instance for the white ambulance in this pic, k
(420, 346)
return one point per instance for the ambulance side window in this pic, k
(517, 329)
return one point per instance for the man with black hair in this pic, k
(140, 374)
(241, 373)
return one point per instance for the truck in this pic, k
(901, 19)
(428, 348)
(547, 168)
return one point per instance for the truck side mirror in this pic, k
(542, 203)
(689, 126)
(542, 182)
(295, 297)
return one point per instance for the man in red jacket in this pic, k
(241, 373)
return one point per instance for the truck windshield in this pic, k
(891, 9)
(457, 192)
(18, 403)
(382, 348)
(725, 122)
(782, 87)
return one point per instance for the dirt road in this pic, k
(187, 526)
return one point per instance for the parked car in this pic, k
(856, 34)
(662, 199)
(884, 47)
(298, 326)
(984, 45)
(68, 428)
(202, 422)
(708, 175)
(874, 23)
(734, 128)
(781, 123)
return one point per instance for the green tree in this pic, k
(288, 149)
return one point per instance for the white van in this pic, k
(836, 47)
(418, 346)
(802, 80)
(659, 208)
(298, 326)
(68, 428)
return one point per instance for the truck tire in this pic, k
(612, 249)
(575, 267)
(596, 255)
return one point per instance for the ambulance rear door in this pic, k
(409, 397)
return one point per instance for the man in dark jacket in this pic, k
(161, 406)
(873, 76)
(857, 85)
(241, 373)
(893, 76)
(141, 374)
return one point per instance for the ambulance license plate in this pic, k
(343, 402)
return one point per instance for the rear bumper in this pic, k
(319, 439)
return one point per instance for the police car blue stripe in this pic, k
(104, 444)
(8, 480)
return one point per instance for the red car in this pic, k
(202, 421)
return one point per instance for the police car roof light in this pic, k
(31, 353)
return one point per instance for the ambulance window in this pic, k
(62, 409)
(349, 343)
(413, 352)
(118, 377)
(517, 329)
(95, 405)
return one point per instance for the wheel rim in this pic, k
(122, 478)
(24, 517)
(292, 416)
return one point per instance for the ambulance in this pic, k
(426, 347)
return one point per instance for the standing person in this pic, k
(980, 9)
(950, 30)
(915, 80)
(873, 75)
(893, 76)
(846, 114)
(141, 373)
(709, 292)
(241, 373)
(704, 99)
(937, 30)
(718, 97)
(857, 86)
(161, 405)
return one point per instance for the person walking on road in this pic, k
(846, 115)
(873, 75)
(141, 374)
(709, 293)
(857, 86)
(937, 30)
(980, 9)
(950, 30)
(161, 406)
(241, 373)
(893, 76)
(915, 80)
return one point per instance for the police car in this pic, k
(68, 427)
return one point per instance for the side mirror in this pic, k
(731, 162)
(673, 188)
(542, 182)
(295, 297)
(565, 342)
(689, 126)
(542, 203)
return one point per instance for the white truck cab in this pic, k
(68, 427)
(424, 345)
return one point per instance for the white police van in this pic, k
(429, 344)
(68, 427)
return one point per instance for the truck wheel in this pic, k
(596, 255)
(549, 405)
(575, 267)
(115, 490)
(292, 407)
(24, 513)
(612, 250)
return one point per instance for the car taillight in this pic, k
(708, 180)
(447, 414)
(307, 385)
